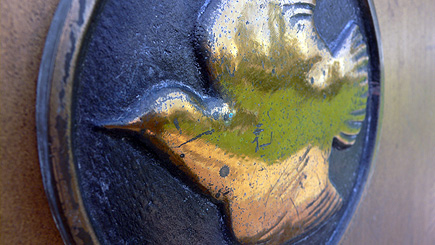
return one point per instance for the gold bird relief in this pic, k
(262, 145)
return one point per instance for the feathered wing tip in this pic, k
(353, 51)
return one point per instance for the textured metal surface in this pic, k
(262, 144)
(398, 205)
(53, 114)
(107, 187)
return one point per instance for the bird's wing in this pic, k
(351, 51)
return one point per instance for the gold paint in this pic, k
(263, 151)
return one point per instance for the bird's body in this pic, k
(263, 147)
(258, 195)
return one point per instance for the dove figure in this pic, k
(261, 146)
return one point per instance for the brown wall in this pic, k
(399, 204)
(399, 207)
(24, 214)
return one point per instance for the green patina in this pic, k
(272, 97)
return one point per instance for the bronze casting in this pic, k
(263, 146)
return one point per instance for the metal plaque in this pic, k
(208, 122)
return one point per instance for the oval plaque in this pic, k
(208, 122)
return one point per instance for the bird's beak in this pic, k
(134, 125)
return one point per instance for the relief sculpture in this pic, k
(282, 98)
